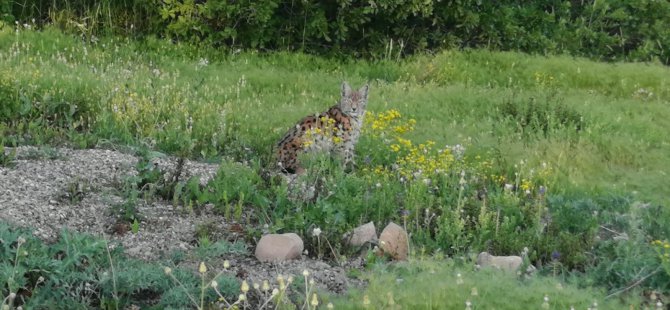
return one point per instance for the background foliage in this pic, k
(609, 29)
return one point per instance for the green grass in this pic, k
(600, 128)
(429, 284)
(247, 101)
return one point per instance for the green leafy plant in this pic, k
(135, 226)
(6, 157)
(234, 186)
(76, 191)
(127, 211)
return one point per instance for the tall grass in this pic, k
(241, 103)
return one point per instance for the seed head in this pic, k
(366, 300)
(315, 301)
(245, 287)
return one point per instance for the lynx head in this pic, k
(353, 103)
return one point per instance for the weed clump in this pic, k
(543, 117)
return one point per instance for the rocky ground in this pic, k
(37, 192)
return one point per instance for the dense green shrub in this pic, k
(612, 29)
(6, 12)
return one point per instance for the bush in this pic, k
(611, 30)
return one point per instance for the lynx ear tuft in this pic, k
(346, 89)
(364, 90)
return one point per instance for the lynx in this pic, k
(335, 131)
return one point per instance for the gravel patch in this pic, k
(36, 192)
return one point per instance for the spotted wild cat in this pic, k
(335, 131)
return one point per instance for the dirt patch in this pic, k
(39, 192)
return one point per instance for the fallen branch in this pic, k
(636, 283)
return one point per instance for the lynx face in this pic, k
(353, 103)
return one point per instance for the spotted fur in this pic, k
(335, 131)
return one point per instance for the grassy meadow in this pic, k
(249, 101)
(470, 150)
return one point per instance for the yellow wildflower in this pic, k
(307, 143)
(407, 143)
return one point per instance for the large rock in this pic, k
(361, 235)
(279, 248)
(393, 241)
(506, 263)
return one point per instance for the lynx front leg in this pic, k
(349, 161)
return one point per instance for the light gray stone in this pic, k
(279, 248)
(361, 235)
(506, 263)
